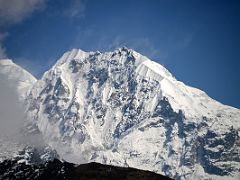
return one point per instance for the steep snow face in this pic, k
(18, 78)
(122, 108)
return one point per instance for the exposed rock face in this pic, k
(57, 170)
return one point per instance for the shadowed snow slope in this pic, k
(123, 109)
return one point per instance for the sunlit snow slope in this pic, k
(123, 109)
(16, 77)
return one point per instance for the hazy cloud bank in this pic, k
(11, 110)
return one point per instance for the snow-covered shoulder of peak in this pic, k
(153, 70)
(16, 77)
(194, 102)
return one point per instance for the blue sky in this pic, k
(196, 40)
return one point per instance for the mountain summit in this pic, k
(123, 109)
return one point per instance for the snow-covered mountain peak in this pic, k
(120, 54)
(122, 108)
(181, 96)
(193, 102)
(73, 54)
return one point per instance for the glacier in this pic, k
(123, 109)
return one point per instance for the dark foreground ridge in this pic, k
(57, 170)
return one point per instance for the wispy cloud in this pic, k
(13, 12)
(11, 112)
(185, 42)
(101, 42)
(2, 52)
(141, 44)
(2, 49)
(146, 46)
(76, 8)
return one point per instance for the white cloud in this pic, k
(11, 111)
(14, 11)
